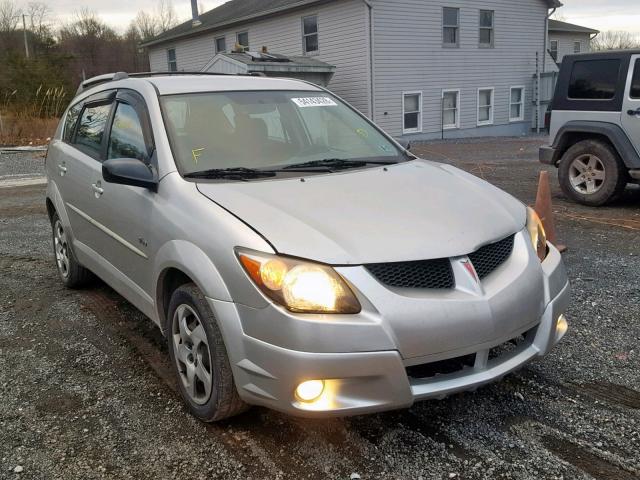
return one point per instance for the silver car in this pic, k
(293, 254)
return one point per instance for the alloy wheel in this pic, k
(587, 174)
(61, 248)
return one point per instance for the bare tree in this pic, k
(167, 17)
(38, 14)
(162, 19)
(145, 25)
(615, 40)
(9, 15)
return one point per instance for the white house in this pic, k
(567, 39)
(420, 69)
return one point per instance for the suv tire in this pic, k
(591, 173)
(72, 274)
(199, 357)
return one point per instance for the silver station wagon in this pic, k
(293, 254)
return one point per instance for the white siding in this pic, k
(409, 56)
(566, 41)
(343, 39)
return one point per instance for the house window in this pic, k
(310, 34)
(516, 105)
(411, 112)
(485, 106)
(243, 39)
(486, 28)
(172, 63)
(451, 109)
(577, 47)
(451, 27)
(553, 50)
(221, 44)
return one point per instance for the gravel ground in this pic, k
(87, 390)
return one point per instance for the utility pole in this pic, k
(26, 41)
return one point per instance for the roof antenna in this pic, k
(195, 17)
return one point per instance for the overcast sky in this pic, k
(598, 14)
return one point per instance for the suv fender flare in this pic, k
(611, 131)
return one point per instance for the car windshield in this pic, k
(269, 130)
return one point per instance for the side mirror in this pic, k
(129, 171)
(406, 144)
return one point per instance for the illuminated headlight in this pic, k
(537, 233)
(300, 286)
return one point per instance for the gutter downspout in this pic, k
(544, 68)
(372, 98)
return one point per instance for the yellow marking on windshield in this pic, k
(196, 152)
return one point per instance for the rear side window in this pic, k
(91, 129)
(594, 80)
(127, 137)
(70, 123)
(635, 82)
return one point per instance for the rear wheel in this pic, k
(591, 173)
(199, 357)
(72, 274)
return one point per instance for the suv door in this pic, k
(631, 105)
(127, 212)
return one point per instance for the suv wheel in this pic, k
(199, 357)
(591, 173)
(72, 274)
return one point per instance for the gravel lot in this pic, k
(87, 392)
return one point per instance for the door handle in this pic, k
(62, 169)
(633, 113)
(97, 189)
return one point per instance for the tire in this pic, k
(591, 173)
(72, 274)
(196, 352)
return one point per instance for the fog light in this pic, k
(562, 326)
(310, 390)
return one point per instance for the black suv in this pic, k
(595, 125)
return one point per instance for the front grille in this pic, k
(433, 274)
(490, 257)
(443, 367)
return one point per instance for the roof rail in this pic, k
(114, 77)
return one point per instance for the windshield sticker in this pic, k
(196, 152)
(314, 102)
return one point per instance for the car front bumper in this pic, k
(369, 381)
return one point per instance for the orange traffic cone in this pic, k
(544, 209)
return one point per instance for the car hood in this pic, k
(415, 210)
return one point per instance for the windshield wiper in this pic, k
(238, 173)
(334, 164)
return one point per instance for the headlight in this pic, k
(537, 234)
(300, 286)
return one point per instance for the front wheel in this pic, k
(591, 173)
(199, 357)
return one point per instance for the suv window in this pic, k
(635, 82)
(594, 79)
(127, 137)
(70, 122)
(91, 128)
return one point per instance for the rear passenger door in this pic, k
(631, 104)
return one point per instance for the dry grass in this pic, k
(26, 129)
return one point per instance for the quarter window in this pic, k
(172, 62)
(127, 137)
(516, 107)
(594, 80)
(635, 82)
(243, 39)
(451, 26)
(91, 129)
(553, 49)
(221, 44)
(486, 28)
(450, 109)
(310, 34)
(485, 106)
(70, 122)
(412, 112)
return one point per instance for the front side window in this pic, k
(172, 62)
(577, 47)
(486, 28)
(594, 80)
(553, 49)
(221, 45)
(70, 122)
(450, 109)
(516, 107)
(243, 39)
(310, 34)
(451, 27)
(91, 129)
(412, 112)
(485, 106)
(635, 82)
(268, 130)
(127, 137)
